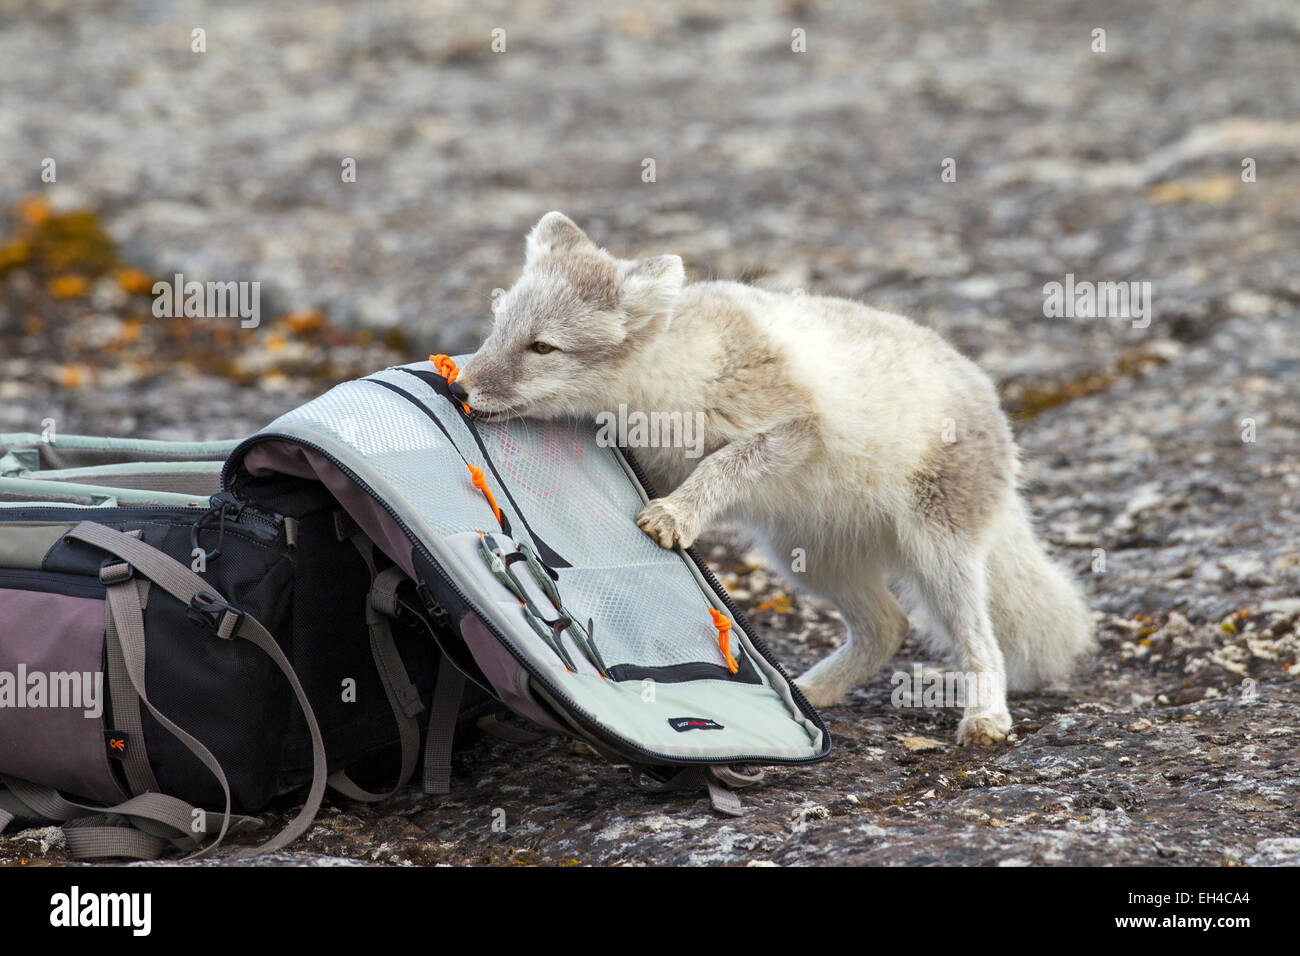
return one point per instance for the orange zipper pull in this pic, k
(448, 369)
(480, 482)
(723, 624)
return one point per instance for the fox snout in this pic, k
(484, 387)
(574, 312)
(464, 390)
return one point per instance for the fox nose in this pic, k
(458, 391)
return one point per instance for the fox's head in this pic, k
(563, 332)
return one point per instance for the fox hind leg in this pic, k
(955, 590)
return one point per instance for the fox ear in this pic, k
(554, 232)
(648, 288)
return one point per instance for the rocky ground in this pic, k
(1163, 462)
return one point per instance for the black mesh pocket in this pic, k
(226, 693)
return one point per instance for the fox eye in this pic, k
(541, 348)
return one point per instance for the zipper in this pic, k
(61, 512)
(581, 716)
(51, 582)
(248, 515)
(243, 507)
(260, 523)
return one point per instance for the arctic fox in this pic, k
(853, 434)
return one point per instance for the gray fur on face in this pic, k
(591, 308)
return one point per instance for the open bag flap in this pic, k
(661, 686)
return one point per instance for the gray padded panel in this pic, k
(650, 607)
(559, 472)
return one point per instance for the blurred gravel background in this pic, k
(817, 170)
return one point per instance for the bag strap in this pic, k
(126, 702)
(447, 694)
(159, 819)
(719, 780)
(128, 618)
(403, 696)
(208, 605)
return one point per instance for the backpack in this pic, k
(458, 569)
(519, 539)
(135, 690)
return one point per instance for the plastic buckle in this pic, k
(432, 605)
(209, 612)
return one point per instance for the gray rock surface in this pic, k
(1176, 744)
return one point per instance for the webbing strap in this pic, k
(735, 779)
(128, 617)
(403, 696)
(447, 693)
(383, 593)
(383, 604)
(85, 839)
(11, 808)
(126, 702)
(184, 585)
(157, 815)
(724, 800)
(170, 812)
(97, 842)
(717, 779)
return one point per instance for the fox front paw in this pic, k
(668, 523)
(983, 730)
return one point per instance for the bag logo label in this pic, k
(116, 743)
(683, 724)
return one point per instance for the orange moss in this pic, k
(305, 321)
(35, 211)
(135, 281)
(53, 244)
(70, 376)
(68, 286)
(1028, 400)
